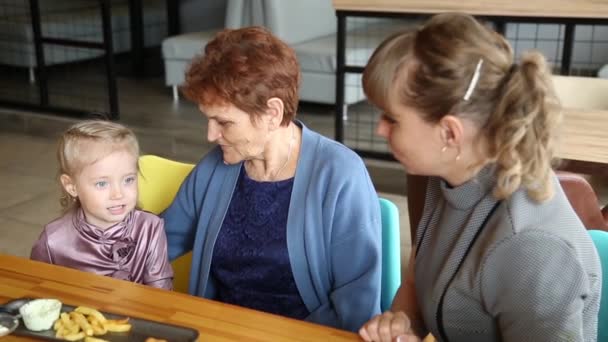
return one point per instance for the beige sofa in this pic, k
(309, 27)
(179, 50)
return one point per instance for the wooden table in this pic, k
(584, 141)
(214, 320)
(518, 8)
(584, 131)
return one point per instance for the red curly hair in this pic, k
(245, 68)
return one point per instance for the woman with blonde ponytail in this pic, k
(499, 254)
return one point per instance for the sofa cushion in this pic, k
(321, 88)
(319, 55)
(239, 13)
(186, 46)
(298, 21)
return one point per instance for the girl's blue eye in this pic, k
(101, 184)
(129, 180)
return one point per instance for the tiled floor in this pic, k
(29, 193)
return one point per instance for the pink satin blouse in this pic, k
(134, 249)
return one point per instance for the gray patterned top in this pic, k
(533, 273)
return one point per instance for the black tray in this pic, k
(140, 328)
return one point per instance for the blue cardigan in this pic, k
(333, 229)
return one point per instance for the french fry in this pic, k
(69, 326)
(119, 321)
(85, 322)
(99, 330)
(94, 339)
(74, 328)
(98, 327)
(74, 337)
(65, 318)
(91, 312)
(152, 339)
(117, 327)
(60, 332)
(82, 322)
(58, 324)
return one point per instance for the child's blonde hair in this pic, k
(86, 142)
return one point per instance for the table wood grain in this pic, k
(517, 8)
(584, 136)
(215, 321)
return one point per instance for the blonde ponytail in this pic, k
(521, 131)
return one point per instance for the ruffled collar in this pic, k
(117, 237)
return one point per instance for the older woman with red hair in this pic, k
(279, 218)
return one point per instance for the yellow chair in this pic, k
(159, 180)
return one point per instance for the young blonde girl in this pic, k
(101, 231)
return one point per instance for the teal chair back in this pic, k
(391, 253)
(600, 239)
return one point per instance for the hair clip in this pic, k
(474, 80)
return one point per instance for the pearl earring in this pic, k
(444, 148)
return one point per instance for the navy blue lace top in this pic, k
(250, 260)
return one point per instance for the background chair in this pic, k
(159, 180)
(391, 253)
(179, 50)
(584, 200)
(315, 45)
(600, 239)
(579, 192)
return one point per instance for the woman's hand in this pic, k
(388, 327)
